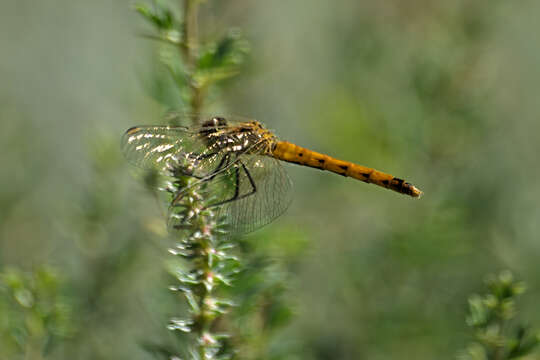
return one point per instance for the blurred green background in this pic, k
(443, 94)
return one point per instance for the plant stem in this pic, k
(190, 43)
(190, 50)
(206, 294)
(198, 228)
(203, 257)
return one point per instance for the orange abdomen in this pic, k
(289, 152)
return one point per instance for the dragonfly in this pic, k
(238, 161)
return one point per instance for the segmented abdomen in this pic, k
(289, 152)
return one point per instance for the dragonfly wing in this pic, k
(266, 190)
(252, 191)
(163, 148)
(256, 190)
(151, 147)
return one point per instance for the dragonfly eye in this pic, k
(214, 122)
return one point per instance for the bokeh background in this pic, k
(442, 93)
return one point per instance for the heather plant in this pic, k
(202, 239)
(498, 335)
(35, 313)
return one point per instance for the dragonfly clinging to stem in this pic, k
(240, 162)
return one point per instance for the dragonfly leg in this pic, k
(237, 195)
(224, 162)
(253, 186)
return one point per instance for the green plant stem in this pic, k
(190, 43)
(190, 48)
(204, 321)
(190, 53)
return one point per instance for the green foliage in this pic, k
(262, 293)
(160, 16)
(491, 315)
(35, 315)
(221, 60)
(196, 68)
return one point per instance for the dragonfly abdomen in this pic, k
(289, 152)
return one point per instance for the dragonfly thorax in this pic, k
(245, 137)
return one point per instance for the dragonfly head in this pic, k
(212, 125)
(215, 122)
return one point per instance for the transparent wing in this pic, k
(271, 197)
(250, 192)
(157, 147)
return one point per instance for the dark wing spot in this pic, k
(344, 167)
(300, 154)
(366, 175)
(385, 182)
(321, 161)
(132, 130)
